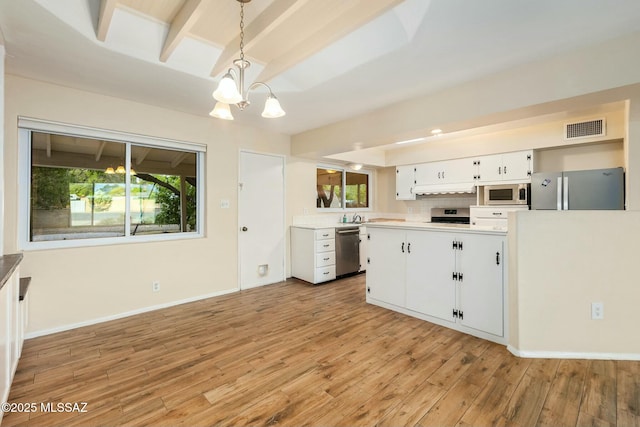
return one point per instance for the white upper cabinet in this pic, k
(445, 172)
(405, 181)
(513, 167)
(461, 175)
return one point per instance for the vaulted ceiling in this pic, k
(326, 60)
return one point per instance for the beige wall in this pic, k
(561, 262)
(72, 286)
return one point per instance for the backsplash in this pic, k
(418, 210)
(421, 208)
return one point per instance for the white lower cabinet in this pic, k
(455, 279)
(386, 265)
(430, 289)
(12, 330)
(313, 254)
(480, 260)
(363, 248)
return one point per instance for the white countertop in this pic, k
(466, 228)
(336, 225)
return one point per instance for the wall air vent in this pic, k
(585, 129)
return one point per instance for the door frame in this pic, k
(283, 158)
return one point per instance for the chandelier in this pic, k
(228, 92)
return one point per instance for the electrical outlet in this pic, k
(155, 286)
(597, 311)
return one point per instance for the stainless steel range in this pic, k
(450, 215)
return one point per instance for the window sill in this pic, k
(108, 241)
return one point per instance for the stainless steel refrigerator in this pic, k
(596, 189)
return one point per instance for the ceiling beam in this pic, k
(277, 12)
(142, 154)
(87, 161)
(178, 159)
(184, 21)
(100, 150)
(47, 139)
(107, 8)
(361, 13)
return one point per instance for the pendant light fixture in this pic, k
(119, 170)
(231, 88)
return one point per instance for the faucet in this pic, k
(356, 218)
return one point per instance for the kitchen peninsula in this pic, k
(448, 274)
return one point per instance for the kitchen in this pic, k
(558, 154)
(522, 108)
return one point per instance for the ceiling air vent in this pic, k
(585, 129)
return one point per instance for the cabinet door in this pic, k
(517, 166)
(490, 168)
(430, 263)
(481, 261)
(364, 244)
(386, 267)
(405, 180)
(429, 173)
(459, 170)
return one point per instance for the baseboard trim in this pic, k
(572, 355)
(95, 321)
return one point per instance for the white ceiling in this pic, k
(325, 60)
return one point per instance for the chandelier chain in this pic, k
(242, 31)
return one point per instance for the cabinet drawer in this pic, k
(324, 274)
(325, 233)
(325, 245)
(326, 258)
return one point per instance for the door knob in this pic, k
(244, 228)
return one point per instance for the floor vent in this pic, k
(585, 129)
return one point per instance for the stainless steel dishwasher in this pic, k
(347, 250)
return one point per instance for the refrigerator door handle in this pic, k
(559, 195)
(565, 193)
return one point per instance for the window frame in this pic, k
(343, 170)
(28, 125)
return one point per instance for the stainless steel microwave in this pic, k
(507, 194)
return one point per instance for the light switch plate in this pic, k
(597, 311)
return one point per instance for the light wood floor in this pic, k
(294, 354)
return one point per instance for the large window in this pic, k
(93, 191)
(340, 189)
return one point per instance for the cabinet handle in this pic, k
(505, 170)
(497, 258)
(325, 273)
(326, 259)
(442, 174)
(499, 170)
(326, 246)
(409, 247)
(402, 247)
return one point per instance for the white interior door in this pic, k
(261, 219)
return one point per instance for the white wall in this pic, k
(73, 286)
(2, 56)
(561, 262)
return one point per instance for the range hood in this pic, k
(453, 188)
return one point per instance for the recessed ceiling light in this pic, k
(409, 140)
(436, 131)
